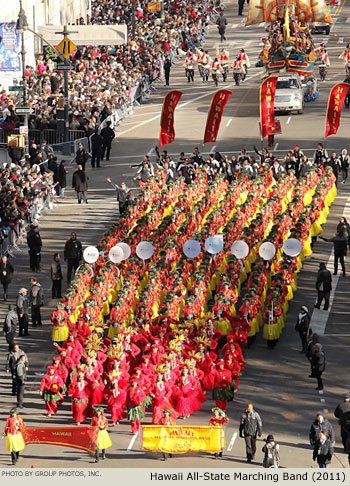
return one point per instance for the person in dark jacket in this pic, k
(344, 226)
(340, 246)
(342, 412)
(122, 195)
(10, 326)
(82, 156)
(22, 307)
(36, 301)
(16, 154)
(167, 67)
(302, 326)
(344, 161)
(323, 286)
(73, 253)
(96, 149)
(271, 453)
(106, 112)
(107, 133)
(318, 364)
(6, 271)
(80, 184)
(310, 348)
(145, 171)
(323, 451)
(21, 375)
(56, 276)
(55, 83)
(53, 167)
(277, 170)
(35, 245)
(62, 177)
(240, 7)
(12, 358)
(221, 22)
(250, 427)
(321, 424)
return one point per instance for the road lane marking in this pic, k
(229, 122)
(325, 410)
(234, 26)
(320, 317)
(320, 392)
(132, 442)
(232, 441)
(276, 146)
(182, 105)
(347, 21)
(289, 119)
(150, 151)
(213, 149)
(322, 400)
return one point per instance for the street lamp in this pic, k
(21, 26)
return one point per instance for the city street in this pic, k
(275, 380)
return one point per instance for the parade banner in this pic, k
(335, 103)
(177, 439)
(167, 130)
(217, 106)
(267, 115)
(83, 438)
(10, 47)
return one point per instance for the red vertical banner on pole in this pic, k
(167, 129)
(267, 105)
(217, 106)
(335, 103)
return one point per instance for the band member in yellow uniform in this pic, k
(13, 432)
(218, 420)
(103, 440)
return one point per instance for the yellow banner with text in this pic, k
(179, 439)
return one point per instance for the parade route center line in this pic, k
(232, 441)
(132, 442)
(289, 119)
(179, 107)
(319, 317)
(229, 122)
(276, 146)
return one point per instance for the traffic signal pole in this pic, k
(65, 33)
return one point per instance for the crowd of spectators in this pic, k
(24, 192)
(106, 79)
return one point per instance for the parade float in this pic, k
(289, 45)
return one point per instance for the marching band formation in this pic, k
(219, 65)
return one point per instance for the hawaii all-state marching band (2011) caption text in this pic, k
(147, 476)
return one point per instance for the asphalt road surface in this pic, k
(276, 380)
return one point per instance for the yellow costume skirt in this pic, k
(15, 442)
(60, 333)
(103, 440)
